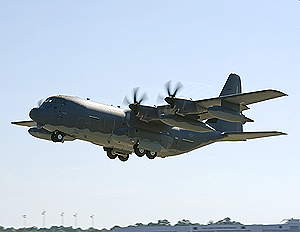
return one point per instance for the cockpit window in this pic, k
(48, 100)
(56, 100)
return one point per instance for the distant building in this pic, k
(291, 225)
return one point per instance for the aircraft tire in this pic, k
(110, 154)
(57, 136)
(151, 154)
(139, 152)
(123, 158)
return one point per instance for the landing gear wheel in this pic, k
(57, 136)
(139, 152)
(110, 154)
(151, 154)
(123, 158)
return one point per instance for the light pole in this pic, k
(75, 216)
(92, 220)
(62, 218)
(24, 221)
(43, 216)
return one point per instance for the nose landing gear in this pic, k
(57, 136)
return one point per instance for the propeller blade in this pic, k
(179, 86)
(159, 99)
(39, 103)
(126, 101)
(135, 92)
(167, 86)
(134, 106)
(143, 98)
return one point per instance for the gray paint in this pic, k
(166, 130)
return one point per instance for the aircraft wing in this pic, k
(29, 123)
(243, 98)
(243, 136)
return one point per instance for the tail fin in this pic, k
(232, 86)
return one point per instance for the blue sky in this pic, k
(101, 50)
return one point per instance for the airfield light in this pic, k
(75, 216)
(62, 218)
(92, 221)
(44, 218)
(24, 221)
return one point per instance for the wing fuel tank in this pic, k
(40, 133)
(228, 114)
(46, 135)
(186, 123)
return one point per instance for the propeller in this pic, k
(171, 98)
(136, 100)
(40, 102)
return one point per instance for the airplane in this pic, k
(178, 127)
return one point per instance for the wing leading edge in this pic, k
(28, 123)
(243, 98)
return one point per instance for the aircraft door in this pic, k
(81, 124)
(176, 141)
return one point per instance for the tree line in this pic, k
(163, 222)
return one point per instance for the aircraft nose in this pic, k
(34, 114)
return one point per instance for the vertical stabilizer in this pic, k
(232, 85)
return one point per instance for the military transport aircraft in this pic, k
(178, 127)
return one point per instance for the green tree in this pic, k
(224, 221)
(183, 222)
(164, 222)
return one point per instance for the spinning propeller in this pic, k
(40, 102)
(136, 101)
(171, 99)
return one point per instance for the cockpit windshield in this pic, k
(55, 100)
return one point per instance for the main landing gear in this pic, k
(112, 155)
(140, 152)
(57, 136)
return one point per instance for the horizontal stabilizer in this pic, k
(243, 136)
(243, 98)
(25, 123)
(254, 97)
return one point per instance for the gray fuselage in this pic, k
(115, 128)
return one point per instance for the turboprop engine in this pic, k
(228, 114)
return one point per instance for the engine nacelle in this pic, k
(185, 123)
(147, 113)
(228, 114)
